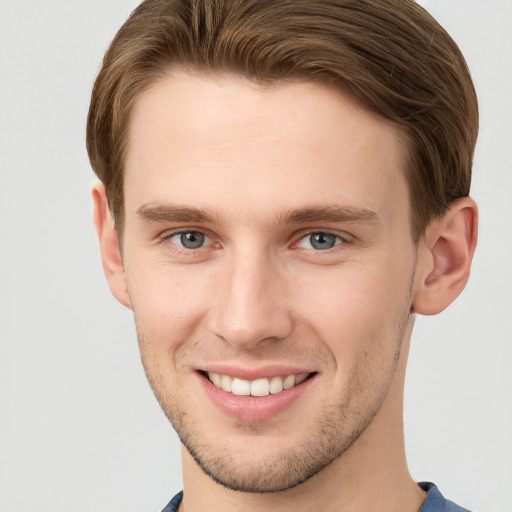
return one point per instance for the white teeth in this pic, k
(240, 387)
(216, 379)
(258, 387)
(276, 385)
(289, 382)
(226, 382)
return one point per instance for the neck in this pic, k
(334, 489)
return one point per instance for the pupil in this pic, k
(192, 240)
(322, 241)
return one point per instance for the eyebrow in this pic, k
(330, 213)
(321, 213)
(173, 213)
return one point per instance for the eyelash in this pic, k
(340, 239)
(166, 239)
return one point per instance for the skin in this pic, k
(267, 167)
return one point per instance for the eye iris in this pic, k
(192, 240)
(322, 241)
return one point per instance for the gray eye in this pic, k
(321, 241)
(192, 239)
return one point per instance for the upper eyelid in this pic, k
(295, 237)
(347, 237)
(167, 235)
(164, 239)
(323, 232)
(342, 240)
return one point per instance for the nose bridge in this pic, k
(252, 305)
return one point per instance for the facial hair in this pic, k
(335, 432)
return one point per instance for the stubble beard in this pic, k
(328, 439)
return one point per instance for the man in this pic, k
(284, 186)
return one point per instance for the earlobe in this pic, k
(109, 247)
(445, 256)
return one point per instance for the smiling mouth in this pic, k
(257, 387)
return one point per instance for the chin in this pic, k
(252, 462)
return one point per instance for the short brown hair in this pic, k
(390, 55)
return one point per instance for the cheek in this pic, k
(168, 303)
(359, 313)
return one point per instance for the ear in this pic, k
(109, 246)
(444, 258)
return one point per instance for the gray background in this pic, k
(79, 428)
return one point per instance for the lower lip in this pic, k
(252, 408)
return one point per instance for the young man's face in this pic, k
(267, 236)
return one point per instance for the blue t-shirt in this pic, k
(434, 502)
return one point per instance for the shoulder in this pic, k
(174, 504)
(436, 502)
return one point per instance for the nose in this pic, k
(251, 305)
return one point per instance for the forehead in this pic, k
(194, 137)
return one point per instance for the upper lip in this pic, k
(254, 372)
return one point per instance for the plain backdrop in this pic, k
(79, 428)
